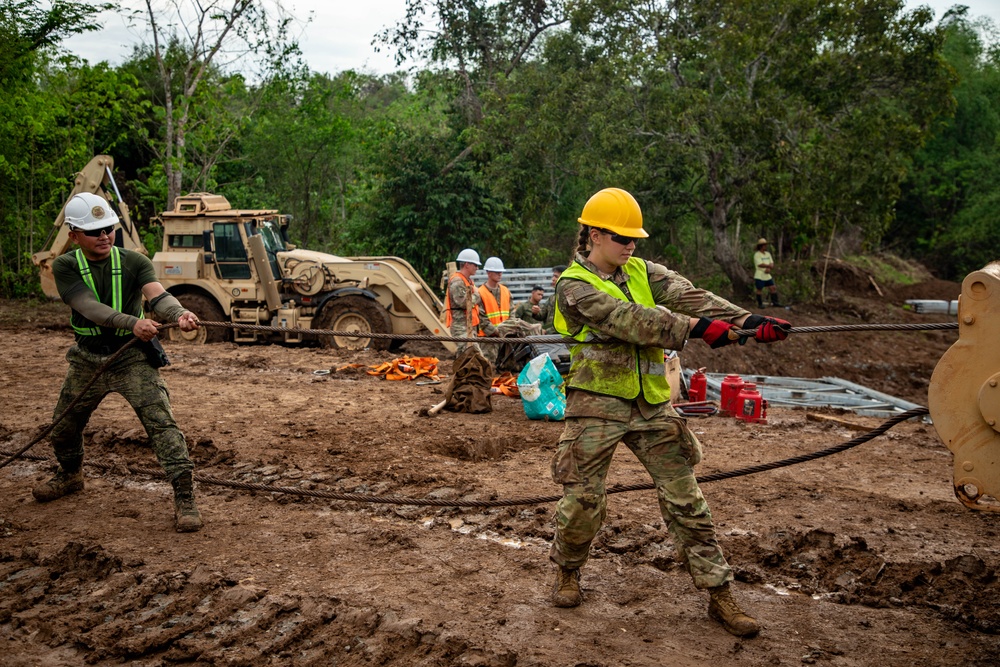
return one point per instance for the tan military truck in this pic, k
(231, 265)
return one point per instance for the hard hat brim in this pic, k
(630, 232)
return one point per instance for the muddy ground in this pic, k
(863, 558)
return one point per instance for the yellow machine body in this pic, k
(964, 394)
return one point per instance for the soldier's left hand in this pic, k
(769, 329)
(188, 321)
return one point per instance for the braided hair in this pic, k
(582, 243)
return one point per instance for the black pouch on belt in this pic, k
(155, 354)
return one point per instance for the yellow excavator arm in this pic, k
(95, 178)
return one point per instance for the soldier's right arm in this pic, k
(583, 304)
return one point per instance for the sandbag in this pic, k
(468, 390)
(540, 385)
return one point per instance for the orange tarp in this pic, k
(407, 368)
(506, 384)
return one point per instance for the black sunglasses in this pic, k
(96, 233)
(618, 238)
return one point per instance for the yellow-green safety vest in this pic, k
(615, 368)
(116, 290)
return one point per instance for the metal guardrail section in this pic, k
(815, 393)
(520, 281)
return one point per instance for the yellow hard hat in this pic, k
(615, 210)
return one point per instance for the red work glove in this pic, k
(716, 333)
(769, 329)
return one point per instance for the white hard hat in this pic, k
(88, 211)
(493, 264)
(469, 255)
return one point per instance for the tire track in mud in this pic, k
(98, 608)
(102, 607)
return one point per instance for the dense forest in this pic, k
(828, 126)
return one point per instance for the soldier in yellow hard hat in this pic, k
(625, 312)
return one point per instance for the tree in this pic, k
(947, 211)
(190, 42)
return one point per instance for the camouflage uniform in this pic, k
(458, 292)
(659, 438)
(523, 312)
(131, 375)
(141, 385)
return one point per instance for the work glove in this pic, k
(716, 333)
(769, 329)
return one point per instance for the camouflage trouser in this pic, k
(458, 329)
(667, 450)
(141, 385)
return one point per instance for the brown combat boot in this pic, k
(566, 592)
(723, 608)
(63, 484)
(187, 518)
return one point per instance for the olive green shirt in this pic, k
(524, 312)
(137, 271)
(667, 326)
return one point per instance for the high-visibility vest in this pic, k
(615, 368)
(447, 301)
(117, 297)
(495, 312)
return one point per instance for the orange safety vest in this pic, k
(447, 302)
(495, 312)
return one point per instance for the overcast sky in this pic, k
(340, 34)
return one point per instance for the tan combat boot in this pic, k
(187, 518)
(63, 484)
(566, 592)
(723, 608)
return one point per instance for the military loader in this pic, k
(231, 265)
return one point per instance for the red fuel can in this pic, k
(698, 387)
(731, 386)
(750, 406)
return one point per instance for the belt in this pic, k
(102, 349)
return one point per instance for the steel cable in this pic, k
(837, 328)
(512, 502)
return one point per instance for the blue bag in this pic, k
(541, 390)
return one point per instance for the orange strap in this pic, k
(407, 368)
(506, 384)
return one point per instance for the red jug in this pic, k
(731, 386)
(698, 387)
(750, 406)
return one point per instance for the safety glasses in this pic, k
(618, 238)
(96, 233)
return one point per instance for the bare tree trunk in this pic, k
(725, 254)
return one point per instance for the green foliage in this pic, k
(792, 119)
(947, 211)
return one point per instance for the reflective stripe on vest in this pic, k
(495, 312)
(447, 301)
(116, 290)
(615, 368)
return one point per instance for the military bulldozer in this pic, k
(232, 265)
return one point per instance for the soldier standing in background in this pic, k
(461, 301)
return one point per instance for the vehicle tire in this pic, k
(354, 313)
(206, 309)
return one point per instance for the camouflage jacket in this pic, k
(667, 325)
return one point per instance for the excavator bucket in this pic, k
(964, 394)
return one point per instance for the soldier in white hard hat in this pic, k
(105, 286)
(494, 301)
(461, 301)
